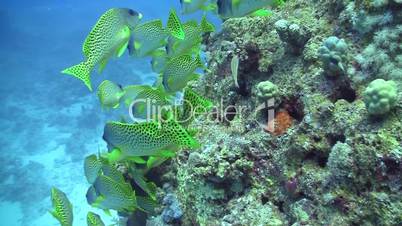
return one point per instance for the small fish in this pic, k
(63, 210)
(147, 37)
(92, 167)
(94, 219)
(111, 194)
(145, 102)
(234, 65)
(174, 26)
(110, 36)
(147, 138)
(190, 45)
(179, 71)
(239, 8)
(109, 94)
(191, 6)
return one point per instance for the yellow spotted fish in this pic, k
(145, 101)
(94, 219)
(147, 138)
(109, 37)
(109, 94)
(191, 44)
(179, 71)
(63, 210)
(239, 8)
(147, 38)
(92, 167)
(112, 194)
(191, 6)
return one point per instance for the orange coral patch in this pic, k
(282, 122)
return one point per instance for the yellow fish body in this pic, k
(110, 36)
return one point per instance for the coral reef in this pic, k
(332, 54)
(284, 145)
(380, 96)
(267, 90)
(334, 163)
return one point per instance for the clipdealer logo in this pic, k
(148, 109)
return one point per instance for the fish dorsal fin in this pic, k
(156, 23)
(174, 26)
(150, 25)
(191, 23)
(206, 26)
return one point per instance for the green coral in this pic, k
(340, 161)
(380, 96)
(267, 90)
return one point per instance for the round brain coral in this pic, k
(380, 96)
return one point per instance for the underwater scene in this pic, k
(201, 113)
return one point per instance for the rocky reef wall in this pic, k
(327, 160)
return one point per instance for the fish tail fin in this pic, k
(181, 136)
(82, 71)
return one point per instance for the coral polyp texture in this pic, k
(267, 140)
(332, 54)
(380, 96)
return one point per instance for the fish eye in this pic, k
(132, 12)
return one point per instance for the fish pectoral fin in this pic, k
(121, 49)
(98, 201)
(137, 45)
(102, 65)
(137, 159)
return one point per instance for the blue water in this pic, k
(49, 122)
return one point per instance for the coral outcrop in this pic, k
(334, 164)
